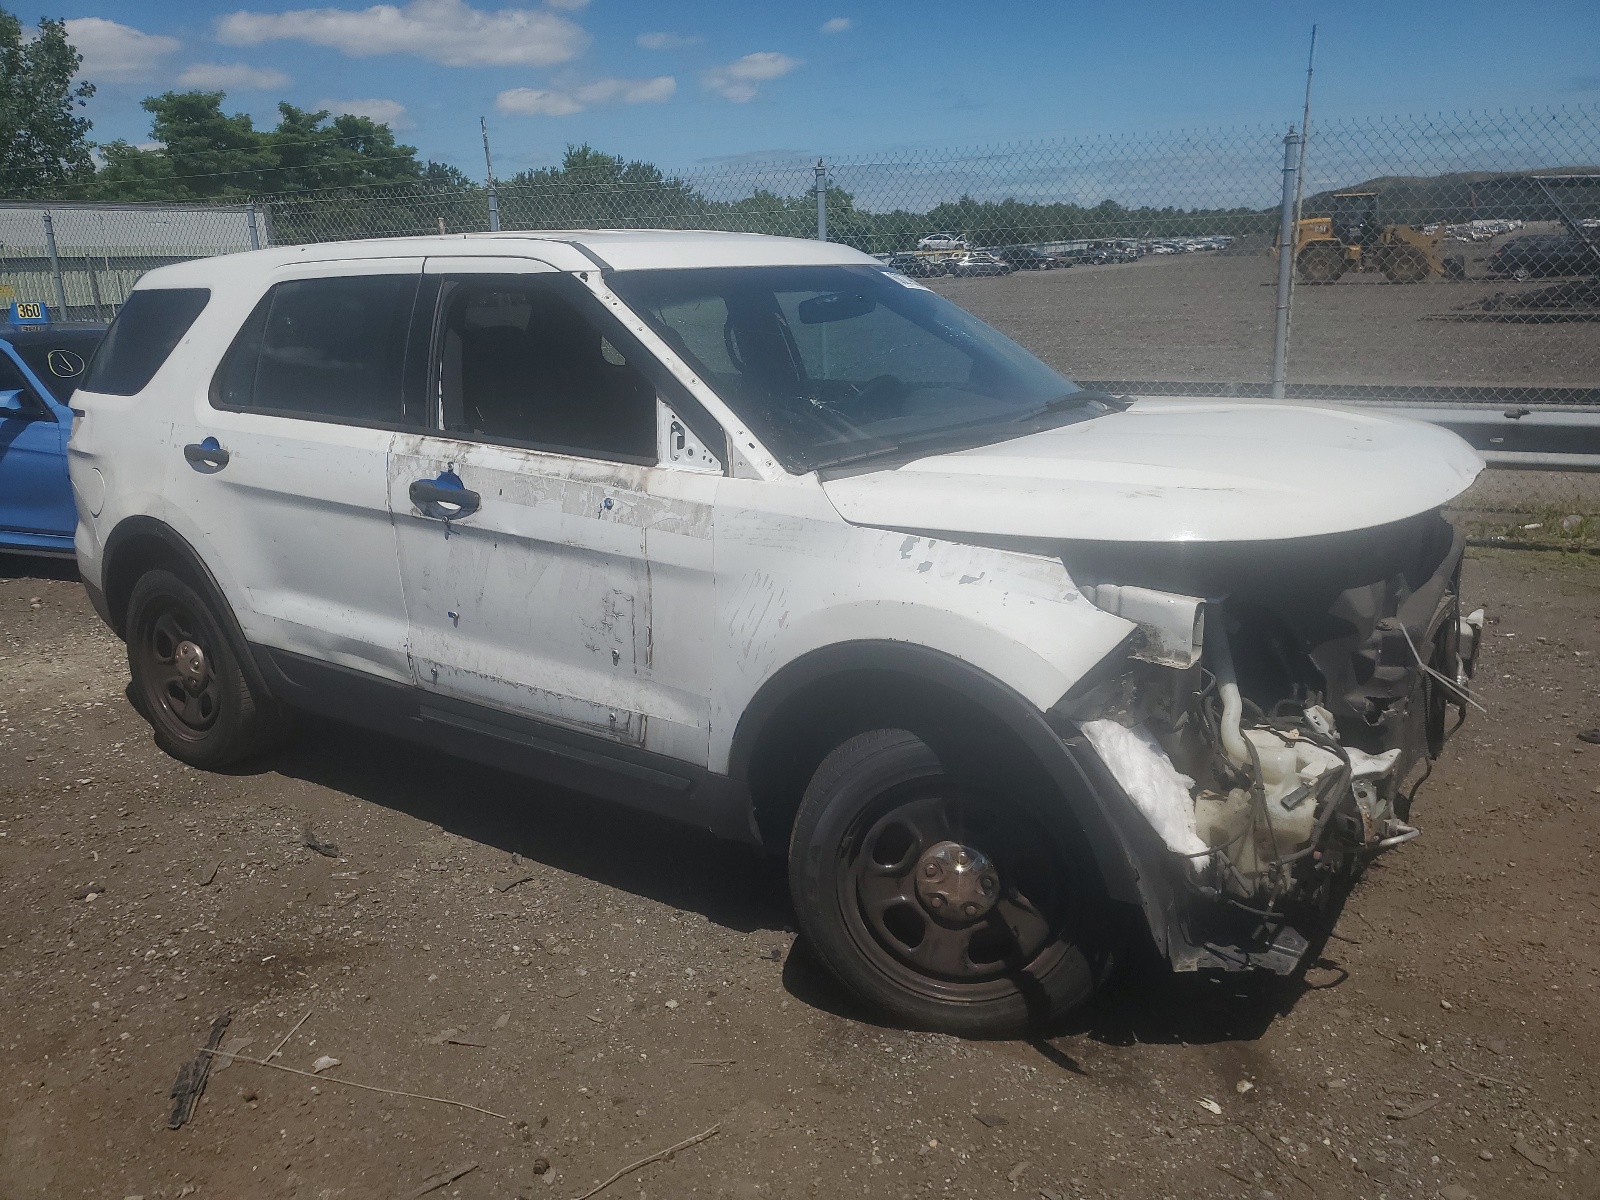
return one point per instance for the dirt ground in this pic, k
(1209, 318)
(643, 985)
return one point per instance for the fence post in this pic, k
(255, 230)
(822, 201)
(55, 263)
(94, 288)
(1286, 241)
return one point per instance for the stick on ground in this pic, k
(365, 1087)
(278, 1049)
(434, 1182)
(645, 1162)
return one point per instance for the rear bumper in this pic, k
(97, 599)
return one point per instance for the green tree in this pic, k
(43, 140)
(210, 152)
(129, 173)
(593, 188)
(318, 150)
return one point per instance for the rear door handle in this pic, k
(445, 498)
(206, 454)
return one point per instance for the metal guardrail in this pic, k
(1550, 429)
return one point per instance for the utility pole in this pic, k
(822, 201)
(488, 166)
(1281, 354)
(1280, 333)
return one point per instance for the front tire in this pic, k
(187, 681)
(1321, 262)
(943, 906)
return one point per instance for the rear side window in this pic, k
(330, 349)
(147, 328)
(60, 364)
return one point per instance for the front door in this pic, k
(281, 469)
(551, 568)
(35, 497)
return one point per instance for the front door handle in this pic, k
(207, 456)
(445, 498)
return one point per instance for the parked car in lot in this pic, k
(979, 262)
(917, 266)
(757, 534)
(943, 241)
(1026, 258)
(1112, 252)
(40, 367)
(1542, 255)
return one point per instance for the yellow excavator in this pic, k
(1351, 239)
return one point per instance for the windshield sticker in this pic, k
(906, 281)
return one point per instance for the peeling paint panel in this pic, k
(543, 600)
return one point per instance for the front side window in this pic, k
(13, 380)
(840, 363)
(332, 349)
(520, 362)
(147, 328)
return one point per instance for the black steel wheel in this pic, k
(947, 907)
(187, 680)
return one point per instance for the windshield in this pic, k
(835, 364)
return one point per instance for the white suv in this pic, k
(761, 535)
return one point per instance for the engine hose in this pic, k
(1233, 740)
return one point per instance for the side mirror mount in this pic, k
(13, 404)
(678, 446)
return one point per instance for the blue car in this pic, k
(40, 368)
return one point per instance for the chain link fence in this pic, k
(1450, 263)
(83, 259)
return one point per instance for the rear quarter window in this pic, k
(146, 330)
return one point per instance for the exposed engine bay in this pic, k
(1284, 704)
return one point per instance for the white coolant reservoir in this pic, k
(1290, 770)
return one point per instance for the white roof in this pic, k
(566, 250)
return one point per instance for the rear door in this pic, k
(282, 468)
(552, 569)
(35, 497)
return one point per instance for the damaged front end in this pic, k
(1281, 705)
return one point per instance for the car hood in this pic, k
(1175, 471)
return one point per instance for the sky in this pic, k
(694, 83)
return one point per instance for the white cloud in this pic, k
(451, 32)
(739, 80)
(667, 41)
(385, 112)
(545, 102)
(118, 53)
(536, 102)
(232, 77)
(836, 24)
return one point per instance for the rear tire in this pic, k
(187, 680)
(939, 905)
